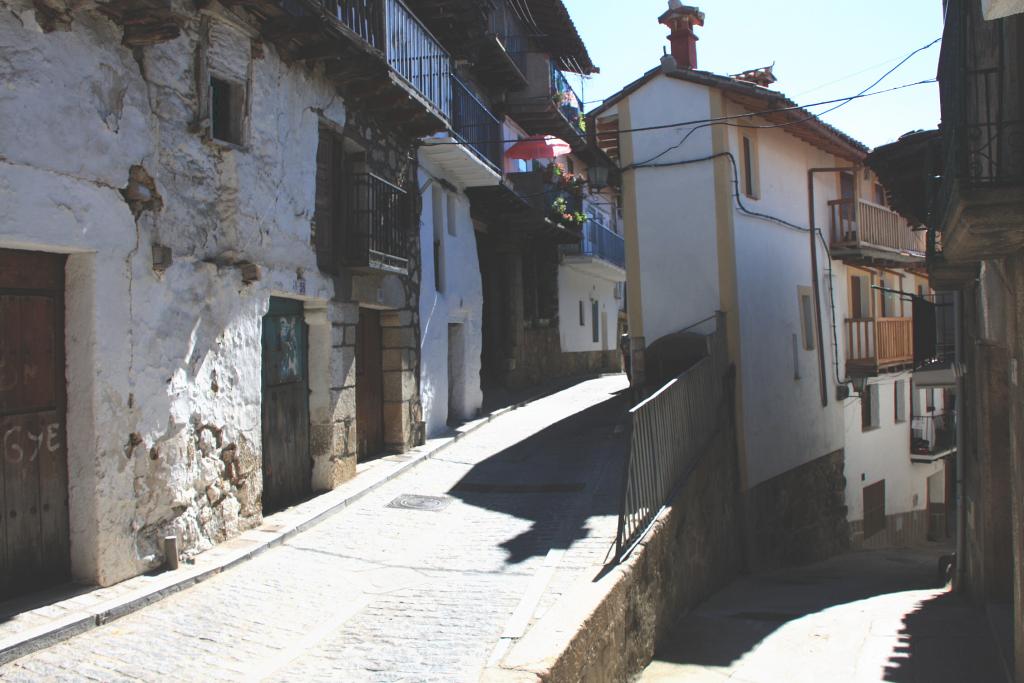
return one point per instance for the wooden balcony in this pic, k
(864, 231)
(875, 345)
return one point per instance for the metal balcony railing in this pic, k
(544, 196)
(933, 434)
(982, 114)
(512, 34)
(377, 225)
(475, 125)
(860, 223)
(364, 17)
(568, 102)
(417, 56)
(599, 242)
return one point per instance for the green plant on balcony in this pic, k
(561, 213)
(557, 176)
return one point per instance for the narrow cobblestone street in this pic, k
(864, 616)
(382, 592)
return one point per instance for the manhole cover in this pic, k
(411, 501)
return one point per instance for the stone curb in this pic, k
(236, 551)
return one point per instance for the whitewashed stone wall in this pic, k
(164, 368)
(449, 356)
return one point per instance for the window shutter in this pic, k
(326, 204)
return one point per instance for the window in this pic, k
(437, 197)
(227, 107)
(900, 399)
(807, 322)
(749, 168)
(594, 316)
(879, 195)
(453, 227)
(930, 397)
(583, 321)
(328, 218)
(860, 300)
(869, 408)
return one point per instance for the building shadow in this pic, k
(940, 638)
(557, 479)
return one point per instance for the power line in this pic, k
(681, 124)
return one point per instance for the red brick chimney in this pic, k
(681, 19)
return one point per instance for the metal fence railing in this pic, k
(475, 125)
(670, 432)
(378, 224)
(567, 101)
(510, 31)
(599, 242)
(418, 57)
(364, 17)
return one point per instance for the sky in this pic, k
(822, 50)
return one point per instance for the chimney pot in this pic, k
(682, 19)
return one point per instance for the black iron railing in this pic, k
(417, 56)
(982, 115)
(671, 430)
(934, 331)
(599, 242)
(364, 17)
(550, 197)
(378, 224)
(475, 125)
(934, 434)
(511, 33)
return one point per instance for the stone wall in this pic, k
(798, 517)
(541, 359)
(177, 243)
(608, 630)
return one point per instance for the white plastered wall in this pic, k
(576, 286)
(163, 369)
(460, 303)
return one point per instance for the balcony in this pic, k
(979, 202)
(471, 151)
(378, 223)
(935, 341)
(875, 345)
(376, 52)
(549, 105)
(502, 57)
(553, 207)
(932, 437)
(864, 230)
(600, 252)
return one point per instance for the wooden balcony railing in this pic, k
(879, 343)
(859, 223)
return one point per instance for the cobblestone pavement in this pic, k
(379, 593)
(865, 617)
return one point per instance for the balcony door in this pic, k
(848, 193)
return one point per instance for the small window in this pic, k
(583, 321)
(749, 168)
(452, 215)
(869, 408)
(437, 197)
(900, 399)
(807, 326)
(594, 315)
(227, 107)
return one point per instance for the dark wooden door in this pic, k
(369, 384)
(874, 509)
(34, 529)
(287, 464)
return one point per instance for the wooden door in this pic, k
(874, 509)
(369, 384)
(287, 464)
(34, 529)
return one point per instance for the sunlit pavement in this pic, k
(868, 616)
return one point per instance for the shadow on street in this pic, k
(558, 478)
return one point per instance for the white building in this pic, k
(717, 219)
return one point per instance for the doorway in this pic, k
(937, 530)
(287, 463)
(456, 374)
(34, 524)
(369, 384)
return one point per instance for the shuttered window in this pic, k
(329, 216)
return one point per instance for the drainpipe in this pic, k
(814, 270)
(961, 515)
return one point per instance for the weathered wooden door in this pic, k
(287, 464)
(369, 384)
(34, 530)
